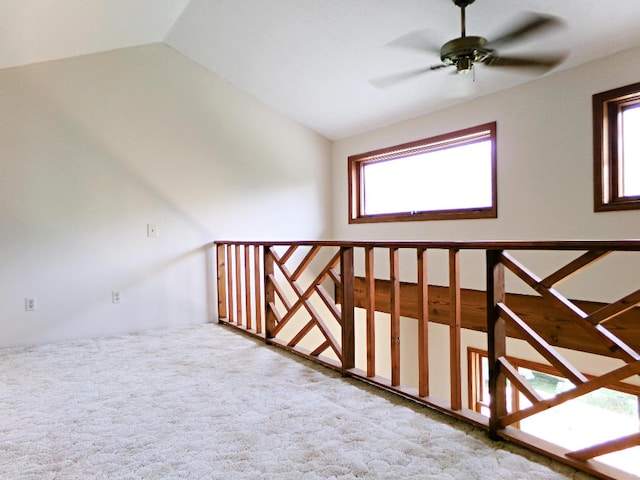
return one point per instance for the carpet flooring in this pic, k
(204, 402)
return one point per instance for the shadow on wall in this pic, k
(95, 148)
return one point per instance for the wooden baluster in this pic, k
(454, 330)
(247, 286)
(269, 293)
(370, 299)
(394, 308)
(258, 287)
(230, 307)
(238, 286)
(347, 309)
(496, 338)
(423, 324)
(221, 272)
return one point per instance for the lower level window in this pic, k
(593, 418)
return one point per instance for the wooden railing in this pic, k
(323, 300)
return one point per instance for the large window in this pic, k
(616, 134)
(445, 177)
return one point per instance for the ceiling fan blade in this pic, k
(533, 24)
(390, 80)
(420, 40)
(538, 62)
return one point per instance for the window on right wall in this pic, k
(616, 137)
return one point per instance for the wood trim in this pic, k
(496, 341)
(455, 322)
(618, 444)
(550, 321)
(270, 321)
(230, 316)
(247, 287)
(541, 346)
(356, 163)
(347, 309)
(608, 379)
(238, 265)
(258, 287)
(370, 306)
(559, 245)
(394, 309)
(221, 271)
(423, 323)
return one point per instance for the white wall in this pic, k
(93, 148)
(545, 189)
(544, 161)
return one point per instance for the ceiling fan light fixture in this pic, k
(464, 65)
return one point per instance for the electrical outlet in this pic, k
(152, 230)
(30, 304)
(116, 297)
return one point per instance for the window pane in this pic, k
(631, 151)
(458, 177)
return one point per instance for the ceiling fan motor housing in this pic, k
(464, 51)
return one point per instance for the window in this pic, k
(616, 137)
(445, 177)
(611, 412)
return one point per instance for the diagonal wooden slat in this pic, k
(303, 295)
(274, 311)
(335, 276)
(281, 295)
(302, 333)
(288, 254)
(616, 346)
(534, 282)
(323, 346)
(614, 309)
(602, 381)
(324, 329)
(311, 254)
(328, 301)
(604, 448)
(541, 346)
(574, 267)
(520, 383)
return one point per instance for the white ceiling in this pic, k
(313, 59)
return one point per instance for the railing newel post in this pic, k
(496, 341)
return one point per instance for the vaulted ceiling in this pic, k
(313, 60)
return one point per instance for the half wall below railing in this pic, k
(343, 304)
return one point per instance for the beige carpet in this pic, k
(205, 402)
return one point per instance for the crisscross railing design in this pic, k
(366, 309)
(593, 323)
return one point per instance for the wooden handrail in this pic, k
(303, 296)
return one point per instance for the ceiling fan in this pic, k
(466, 51)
